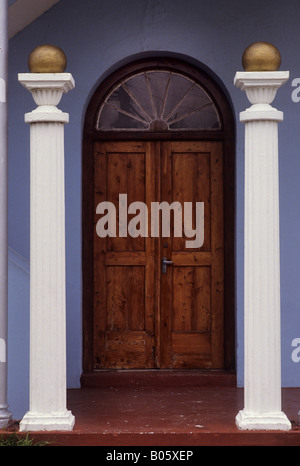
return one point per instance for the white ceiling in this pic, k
(23, 12)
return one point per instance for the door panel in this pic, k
(192, 289)
(123, 266)
(144, 318)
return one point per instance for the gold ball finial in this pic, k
(47, 59)
(261, 56)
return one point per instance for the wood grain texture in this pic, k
(192, 305)
(123, 265)
(143, 318)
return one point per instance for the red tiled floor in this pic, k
(166, 409)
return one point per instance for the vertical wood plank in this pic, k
(157, 261)
(217, 239)
(150, 243)
(166, 285)
(100, 195)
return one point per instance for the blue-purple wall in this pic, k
(98, 36)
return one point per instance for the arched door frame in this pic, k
(226, 134)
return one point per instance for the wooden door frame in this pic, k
(226, 135)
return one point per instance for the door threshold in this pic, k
(154, 377)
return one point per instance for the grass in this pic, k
(14, 440)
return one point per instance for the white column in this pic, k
(47, 255)
(262, 379)
(5, 415)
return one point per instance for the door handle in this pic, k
(164, 264)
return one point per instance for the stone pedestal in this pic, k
(47, 254)
(262, 380)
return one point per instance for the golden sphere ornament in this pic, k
(261, 56)
(47, 59)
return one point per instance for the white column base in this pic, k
(262, 421)
(34, 422)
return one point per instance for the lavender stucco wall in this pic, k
(100, 35)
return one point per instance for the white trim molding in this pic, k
(21, 13)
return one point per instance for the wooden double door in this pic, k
(147, 314)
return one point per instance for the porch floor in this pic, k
(153, 408)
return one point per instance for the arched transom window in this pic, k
(158, 100)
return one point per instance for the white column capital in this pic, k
(47, 81)
(261, 88)
(47, 90)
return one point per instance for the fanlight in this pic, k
(158, 101)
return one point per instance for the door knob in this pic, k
(165, 262)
